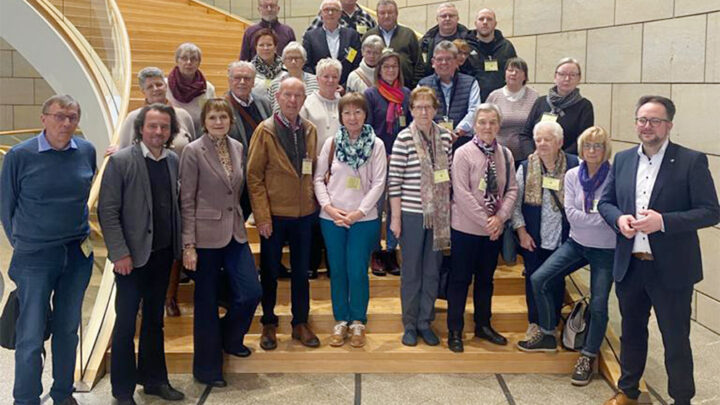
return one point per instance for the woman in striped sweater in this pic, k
(419, 191)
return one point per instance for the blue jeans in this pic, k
(349, 250)
(64, 272)
(563, 262)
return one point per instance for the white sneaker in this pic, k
(357, 337)
(339, 334)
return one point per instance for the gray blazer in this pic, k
(125, 206)
(211, 212)
(237, 131)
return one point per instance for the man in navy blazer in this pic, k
(332, 41)
(658, 195)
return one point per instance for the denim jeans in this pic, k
(563, 262)
(349, 254)
(62, 271)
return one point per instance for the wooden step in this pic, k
(382, 353)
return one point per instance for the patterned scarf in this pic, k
(269, 71)
(591, 184)
(354, 154)
(185, 90)
(394, 96)
(435, 197)
(492, 196)
(533, 180)
(558, 104)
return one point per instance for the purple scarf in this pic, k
(591, 184)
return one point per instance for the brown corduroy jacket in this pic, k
(274, 185)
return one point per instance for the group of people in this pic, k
(317, 142)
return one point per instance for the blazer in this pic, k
(125, 205)
(683, 193)
(209, 201)
(315, 44)
(237, 131)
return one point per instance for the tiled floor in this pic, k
(269, 389)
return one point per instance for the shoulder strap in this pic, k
(364, 78)
(328, 173)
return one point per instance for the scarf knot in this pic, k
(356, 153)
(185, 90)
(591, 184)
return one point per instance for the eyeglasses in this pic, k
(60, 117)
(567, 75)
(423, 107)
(443, 60)
(192, 59)
(330, 10)
(243, 78)
(595, 146)
(654, 122)
(293, 59)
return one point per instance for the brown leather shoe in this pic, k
(268, 339)
(339, 334)
(306, 336)
(171, 308)
(621, 399)
(357, 336)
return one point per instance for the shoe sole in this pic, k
(537, 350)
(268, 347)
(337, 344)
(306, 344)
(356, 345)
(580, 383)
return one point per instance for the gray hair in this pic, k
(553, 126)
(386, 3)
(564, 61)
(446, 5)
(488, 107)
(324, 2)
(328, 63)
(188, 47)
(238, 64)
(446, 46)
(373, 42)
(148, 72)
(294, 46)
(62, 100)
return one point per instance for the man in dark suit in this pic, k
(332, 41)
(658, 195)
(140, 218)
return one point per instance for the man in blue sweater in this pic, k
(44, 187)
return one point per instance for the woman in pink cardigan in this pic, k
(349, 179)
(484, 192)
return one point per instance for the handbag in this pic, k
(576, 326)
(8, 321)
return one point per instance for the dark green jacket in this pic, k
(405, 43)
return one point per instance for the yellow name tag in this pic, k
(361, 29)
(550, 183)
(547, 117)
(307, 166)
(402, 121)
(267, 83)
(86, 247)
(491, 65)
(446, 124)
(352, 53)
(483, 185)
(441, 176)
(594, 205)
(353, 183)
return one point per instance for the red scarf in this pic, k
(183, 90)
(394, 96)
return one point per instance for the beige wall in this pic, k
(22, 91)
(627, 48)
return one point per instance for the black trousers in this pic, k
(147, 284)
(472, 255)
(639, 291)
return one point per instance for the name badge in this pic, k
(402, 121)
(441, 176)
(351, 54)
(86, 247)
(267, 83)
(447, 124)
(491, 65)
(594, 206)
(307, 166)
(353, 183)
(548, 117)
(551, 183)
(361, 29)
(483, 185)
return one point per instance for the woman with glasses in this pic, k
(187, 87)
(293, 58)
(591, 239)
(363, 77)
(563, 104)
(268, 64)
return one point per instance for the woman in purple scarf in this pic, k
(187, 87)
(590, 239)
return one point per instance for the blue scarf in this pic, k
(591, 184)
(354, 154)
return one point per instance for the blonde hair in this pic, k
(595, 135)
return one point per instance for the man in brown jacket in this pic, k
(280, 181)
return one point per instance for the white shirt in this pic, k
(387, 35)
(333, 41)
(242, 103)
(146, 153)
(647, 172)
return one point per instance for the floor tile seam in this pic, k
(505, 389)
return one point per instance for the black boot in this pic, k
(455, 343)
(391, 262)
